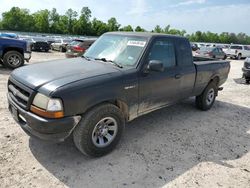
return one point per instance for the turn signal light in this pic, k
(46, 114)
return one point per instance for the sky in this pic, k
(191, 15)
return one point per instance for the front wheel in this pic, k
(13, 59)
(100, 130)
(206, 100)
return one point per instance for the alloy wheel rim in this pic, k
(104, 132)
(14, 60)
(210, 96)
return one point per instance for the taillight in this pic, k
(79, 49)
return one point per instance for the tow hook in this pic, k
(220, 88)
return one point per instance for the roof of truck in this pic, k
(144, 34)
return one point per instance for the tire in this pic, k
(206, 100)
(86, 137)
(13, 59)
(239, 56)
(225, 57)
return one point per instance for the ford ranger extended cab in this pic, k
(120, 77)
(14, 52)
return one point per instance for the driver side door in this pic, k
(161, 88)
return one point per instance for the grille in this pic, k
(20, 95)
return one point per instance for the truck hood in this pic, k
(54, 74)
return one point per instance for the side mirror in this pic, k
(155, 65)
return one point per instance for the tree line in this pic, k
(74, 23)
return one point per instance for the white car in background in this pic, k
(238, 51)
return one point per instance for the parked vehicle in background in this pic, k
(38, 44)
(246, 70)
(194, 46)
(60, 44)
(238, 51)
(9, 35)
(120, 77)
(50, 40)
(78, 46)
(14, 52)
(212, 52)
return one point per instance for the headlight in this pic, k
(47, 107)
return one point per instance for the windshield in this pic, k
(124, 50)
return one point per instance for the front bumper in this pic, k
(246, 72)
(27, 56)
(56, 130)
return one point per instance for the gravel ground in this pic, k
(178, 146)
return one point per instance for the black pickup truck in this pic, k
(120, 77)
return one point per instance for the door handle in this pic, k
(177, 76)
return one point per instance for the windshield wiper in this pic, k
(110, 61)
(85, 57)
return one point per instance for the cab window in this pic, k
(163, 50)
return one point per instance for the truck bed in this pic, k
(208, 69)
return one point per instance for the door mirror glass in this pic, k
(155, 65)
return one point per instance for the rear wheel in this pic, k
(13, 59)
(239, 56)
(206, 100)
(61, 49)
(99, 131)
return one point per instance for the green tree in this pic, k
(158, 29)
(71, 15)
(127, 28)
(42, 21)
(139, 29)
(113, 25)
(54, 19)
(98, 27)
(17, 20)
(83, 25)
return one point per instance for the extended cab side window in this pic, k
(184, 53)
(163, 50)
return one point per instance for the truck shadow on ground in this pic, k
(156, 148)
(4, 70)
(241, 81)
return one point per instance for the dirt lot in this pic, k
(178, 146)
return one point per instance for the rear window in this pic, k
(75, 43)
(236, 47)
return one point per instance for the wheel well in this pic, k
(12, 49)
(120, 104)
(216, 80)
